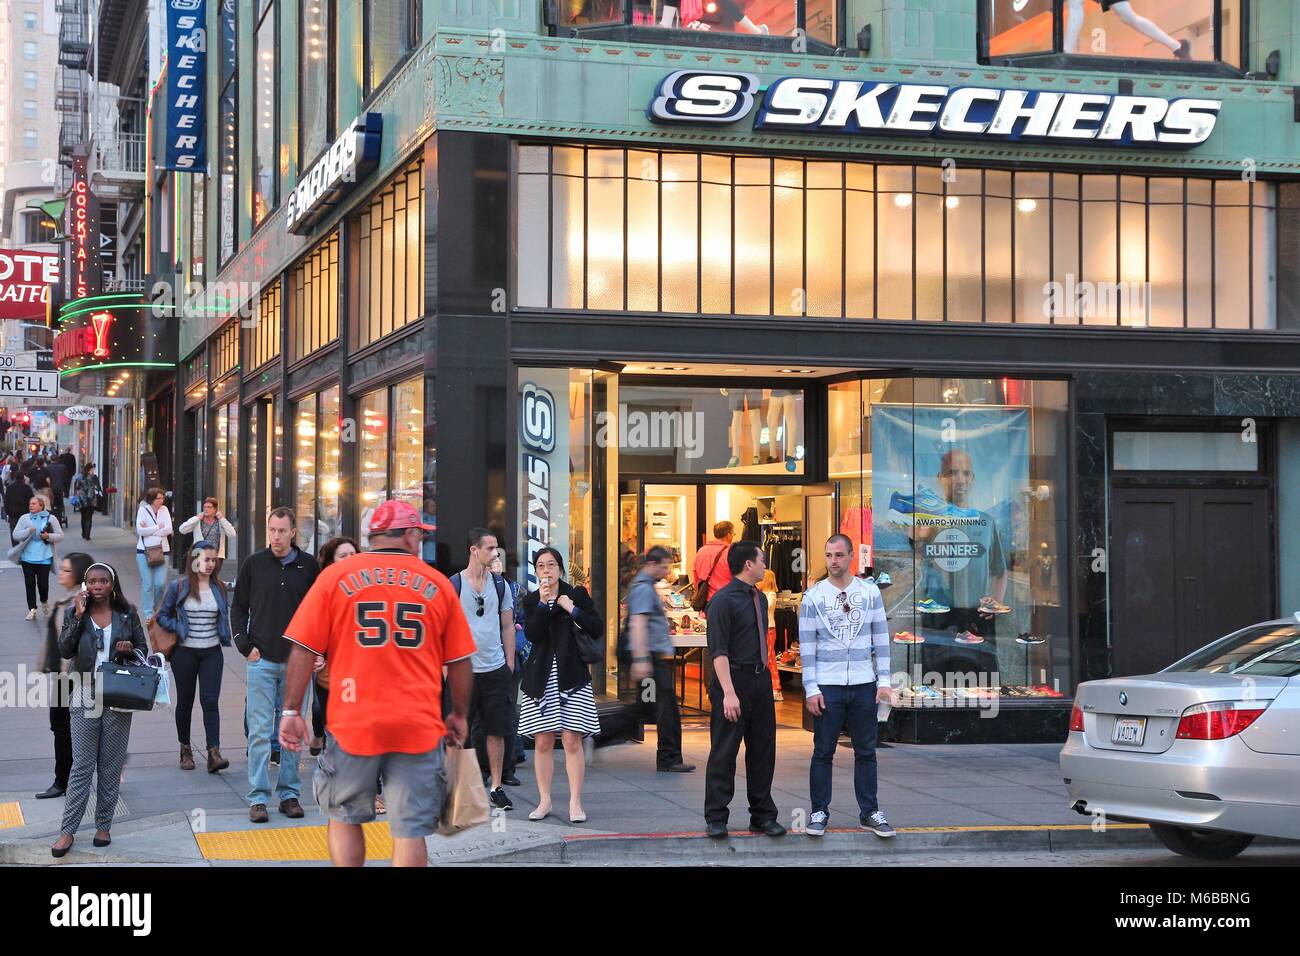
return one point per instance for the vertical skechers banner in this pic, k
(544, 465)
(187, 59)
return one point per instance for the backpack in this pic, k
(497, 579)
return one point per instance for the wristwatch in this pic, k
(289, 713)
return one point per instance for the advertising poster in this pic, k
(949, 527)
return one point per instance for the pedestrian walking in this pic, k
(335, 549)
(17, 494)
(88, 493)
(741, 695)
(654, 658)
(153, 528)
(556, 686)
(69, 461)
(488, 607)
(35, 537)
(59, 479)
(844, 649)
(388, 624)
(101, 625)
(270, 586)
(196, 610)
(210, 525)
(71, 572)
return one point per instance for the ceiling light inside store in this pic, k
(668, 368)
(952, 202)
(903, 199)
(1026, 205)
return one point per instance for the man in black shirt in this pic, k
(741, 692)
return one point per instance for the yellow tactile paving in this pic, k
(288, 843)
(11, 815)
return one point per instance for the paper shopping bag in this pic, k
(466, 804)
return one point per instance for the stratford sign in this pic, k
(25, 280)
(819, 105)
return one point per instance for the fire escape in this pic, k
(72, 90)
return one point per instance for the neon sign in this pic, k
(100, 322)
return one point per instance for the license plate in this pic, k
(1129, 730)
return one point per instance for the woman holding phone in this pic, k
(101, 625)
(35, 536)
(556, 685)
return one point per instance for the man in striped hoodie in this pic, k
(841, 629)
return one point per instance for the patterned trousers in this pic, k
(99, 749)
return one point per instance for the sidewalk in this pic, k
(974, 795)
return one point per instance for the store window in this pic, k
(954, 493)
(225, 350)
(386, 242)
(265, 115)
(813, 19)
(1200, 31)
(313, 299)
(262, 342)
(318, 485)
(754, 236)
(708, 431)
(392, 31)
(396, 454)
(228, 155)
(225, 483)
(198, 226)
(316, 100)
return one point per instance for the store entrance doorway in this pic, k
(790, 522)
(1188, 565)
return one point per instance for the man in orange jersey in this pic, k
(387, 623)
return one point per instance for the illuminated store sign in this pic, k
(351, 158)
(537, 433)
(187, 61)
(25, 280)
(83, 276)
(806, 104)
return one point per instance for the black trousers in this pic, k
(668, 717)
(36, 577)
(319, 701)
(202, 667)
(87, 517)
(757, 728)
(61, 727)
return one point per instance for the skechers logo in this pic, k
(696, 97)
(537, 418)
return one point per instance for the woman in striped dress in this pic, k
(556, 685)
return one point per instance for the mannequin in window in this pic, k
(1123, 9)
(783, 406)
(744, 404)
(726, 16)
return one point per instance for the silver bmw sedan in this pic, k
(1207, 751)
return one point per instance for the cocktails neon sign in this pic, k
(100, 322)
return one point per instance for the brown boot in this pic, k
(216, 761)
(187, 757)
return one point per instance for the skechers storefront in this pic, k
(1040, 372)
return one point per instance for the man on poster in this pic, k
(965, 568)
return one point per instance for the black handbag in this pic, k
(589, 650)
(128, 686)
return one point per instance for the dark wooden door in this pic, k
(1187, 565)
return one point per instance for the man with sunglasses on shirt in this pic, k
(844, 651)
(489, 608)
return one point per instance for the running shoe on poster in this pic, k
(926, 504)
(931, 606)
(907, 637)
(989, 606)
(966, 637)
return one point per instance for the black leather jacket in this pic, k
(550, 630)
(77, 639)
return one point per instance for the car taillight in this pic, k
(1076, 719)
(1216, 721)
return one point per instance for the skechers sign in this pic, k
(187, 62)
(351, 158)
(537, 427)
(802, 104)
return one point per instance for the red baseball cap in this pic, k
(395, 515)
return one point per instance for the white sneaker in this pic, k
(31, 615)
(817, 824)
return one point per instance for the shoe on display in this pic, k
(926, 504)
(931, 606)
(1027, 638)
(966, 637)
(756, 460)
(499, 800)
(1184, 51)
(989, 606)
(817, 824)
(733, 461)
(907, 637)
(790, 463)
(883, 580)
(878, 825)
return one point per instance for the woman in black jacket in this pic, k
(99, 625)
(556, 685)
(72, 571)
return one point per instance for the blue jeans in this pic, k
(855, 706)
(265, 689)
(152, 583)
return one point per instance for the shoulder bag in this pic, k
(153, 553)
(700, 599)
(130, 686)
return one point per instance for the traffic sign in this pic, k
(29, 383)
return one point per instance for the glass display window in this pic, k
(396, 456)
(954, 493)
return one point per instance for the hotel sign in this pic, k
(351, 158)
(25, 280)
(857, 107)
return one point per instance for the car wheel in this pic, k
(1201, 844)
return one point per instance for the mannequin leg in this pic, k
(755, 431)
(733, 436)
(1073, 25)
(1144, 26)
(774, 409)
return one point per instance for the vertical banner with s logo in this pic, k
(187, 57)
(543, 465)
